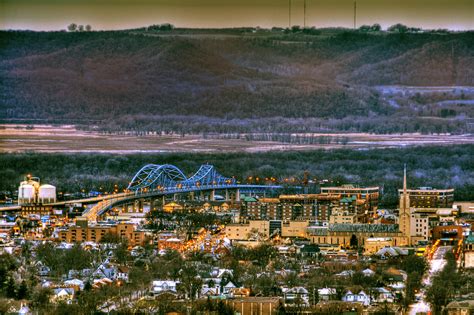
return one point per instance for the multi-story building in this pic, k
(341, 234)
(306, 207)
(38, 209)
(263, 229)
(253, 229)
(427, 197)
(370, 195)
(95, 233)
(340, 216)
(419, 228)
(468, 251)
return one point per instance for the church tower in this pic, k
(404, 213)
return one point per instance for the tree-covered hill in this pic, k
(117, 76)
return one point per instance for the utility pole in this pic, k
(289, 14)
(304, 14)
(355, 13)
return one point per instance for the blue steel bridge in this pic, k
(153, 181)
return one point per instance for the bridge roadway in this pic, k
(70, 202)
(105, 205)
(105, 202)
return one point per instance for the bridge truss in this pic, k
(153, 177)
(154, 180)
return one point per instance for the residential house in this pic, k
(296, 296)
(62, 294)
(326, 294)
(122, 273)
(383, 295)
(465, 307)
(360, 297)
(368, 272)
(164, 286)
(105, 271)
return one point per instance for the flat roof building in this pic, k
(427, 197)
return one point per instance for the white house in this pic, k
(75, 282)
(162, 286)
(346, 273)
(368, 272)
(384, 295)
(325, 294)
(296, 295)
(62, 294)
(122, 273)
(360, 297)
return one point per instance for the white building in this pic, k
(162, 286)
(419, 228)
(296, 296)
(360, 297)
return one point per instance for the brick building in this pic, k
(94, 233)
(317, 207)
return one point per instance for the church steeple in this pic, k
(405, 185)
(404, 209)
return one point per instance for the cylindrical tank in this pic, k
(47, 194)
(26, 194)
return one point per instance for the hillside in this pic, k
(130, 77)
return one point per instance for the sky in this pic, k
(42, 15)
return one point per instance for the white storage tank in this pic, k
(26, 194)
(47, 194)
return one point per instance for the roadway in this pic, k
(436, 264)
(127, 196)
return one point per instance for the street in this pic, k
(436, 264)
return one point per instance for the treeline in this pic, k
(440, 167)
(283, 137)
(167, 124)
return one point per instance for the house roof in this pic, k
(466, 304)
(327, 291)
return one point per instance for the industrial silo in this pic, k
(26, 193)
(46, 194)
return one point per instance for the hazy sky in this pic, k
(119, 14)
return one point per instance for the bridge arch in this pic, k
(167, 176)
(153, 176)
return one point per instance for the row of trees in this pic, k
(73, 27)
(445, 285)
(440, 167)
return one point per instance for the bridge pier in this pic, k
(140, 205)
(226, 195)
(213, 195)
(237, 195)
(154, 204)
